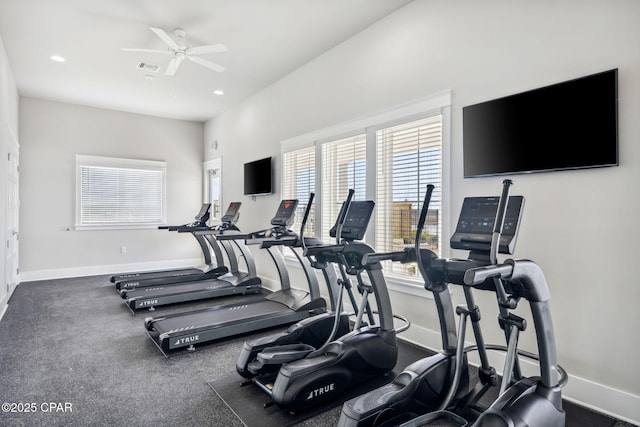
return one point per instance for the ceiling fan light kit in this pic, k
(181, 52)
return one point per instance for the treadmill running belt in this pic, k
(179, 288)
(219, 316)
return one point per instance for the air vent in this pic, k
(148, 67)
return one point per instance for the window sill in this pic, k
(115, 227)
(414, 287)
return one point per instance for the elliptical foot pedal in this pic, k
(268, 404)
(437, 418)
(390, 417)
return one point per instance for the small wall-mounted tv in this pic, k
(258, 177)
(569, 125)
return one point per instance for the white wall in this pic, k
(8, 121)
(52, 133)
(580, 226)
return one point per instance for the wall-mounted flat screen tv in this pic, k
(569, 125)
(258, 177)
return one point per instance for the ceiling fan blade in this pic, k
(130, 49)
(214, 48)
(165, 38)
(173, 65)
(208, 64)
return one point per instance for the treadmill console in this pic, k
(475, 224)
(232, 214)
(285, 214)
(203, 215)
(357, 220)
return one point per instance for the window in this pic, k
(408, 158)
(299, 181)
(343, 164)
(389, 158)
(119, 193)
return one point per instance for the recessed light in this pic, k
(57, 58)
(218, 92)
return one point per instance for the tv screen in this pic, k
(569, 125)
(258, 177)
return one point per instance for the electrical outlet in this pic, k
(123, 249)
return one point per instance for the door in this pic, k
(12, 207)
(213, 187)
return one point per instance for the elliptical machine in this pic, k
(441, 381)
(362, 355)
(523, 402)
(422, 386)
(261, 358)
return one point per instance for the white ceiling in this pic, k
(266, 40)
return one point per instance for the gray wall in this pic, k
(578, 225)
(52, 133)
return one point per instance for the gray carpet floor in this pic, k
(74, 341)
(72, 354)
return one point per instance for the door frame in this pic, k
(209, 167)
(11, 207)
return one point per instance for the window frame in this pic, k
(123, 164)
(437, 104)
(321, 146)
(286, 163)
(393, 276)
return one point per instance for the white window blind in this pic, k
(343, 168)
(298, 182)
(115, 193)
(408, 158)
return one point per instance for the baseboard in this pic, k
(597, 397)
(421, 337)
(95, 270)
(3, 308)
(615, 403)
(4, 302)
(269, 283)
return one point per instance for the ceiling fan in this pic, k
(180, 51)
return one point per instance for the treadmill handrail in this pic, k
(274, 232)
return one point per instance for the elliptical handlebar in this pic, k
(399, 256)
(342, 216)
(499, 223)
(503, 299)
(420, 227)
(524, 271)
(307, 211)
(478, 275)
(408, 254)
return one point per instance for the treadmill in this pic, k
(285, 306)
(208, 270)
(200, 220)
(235, 282)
